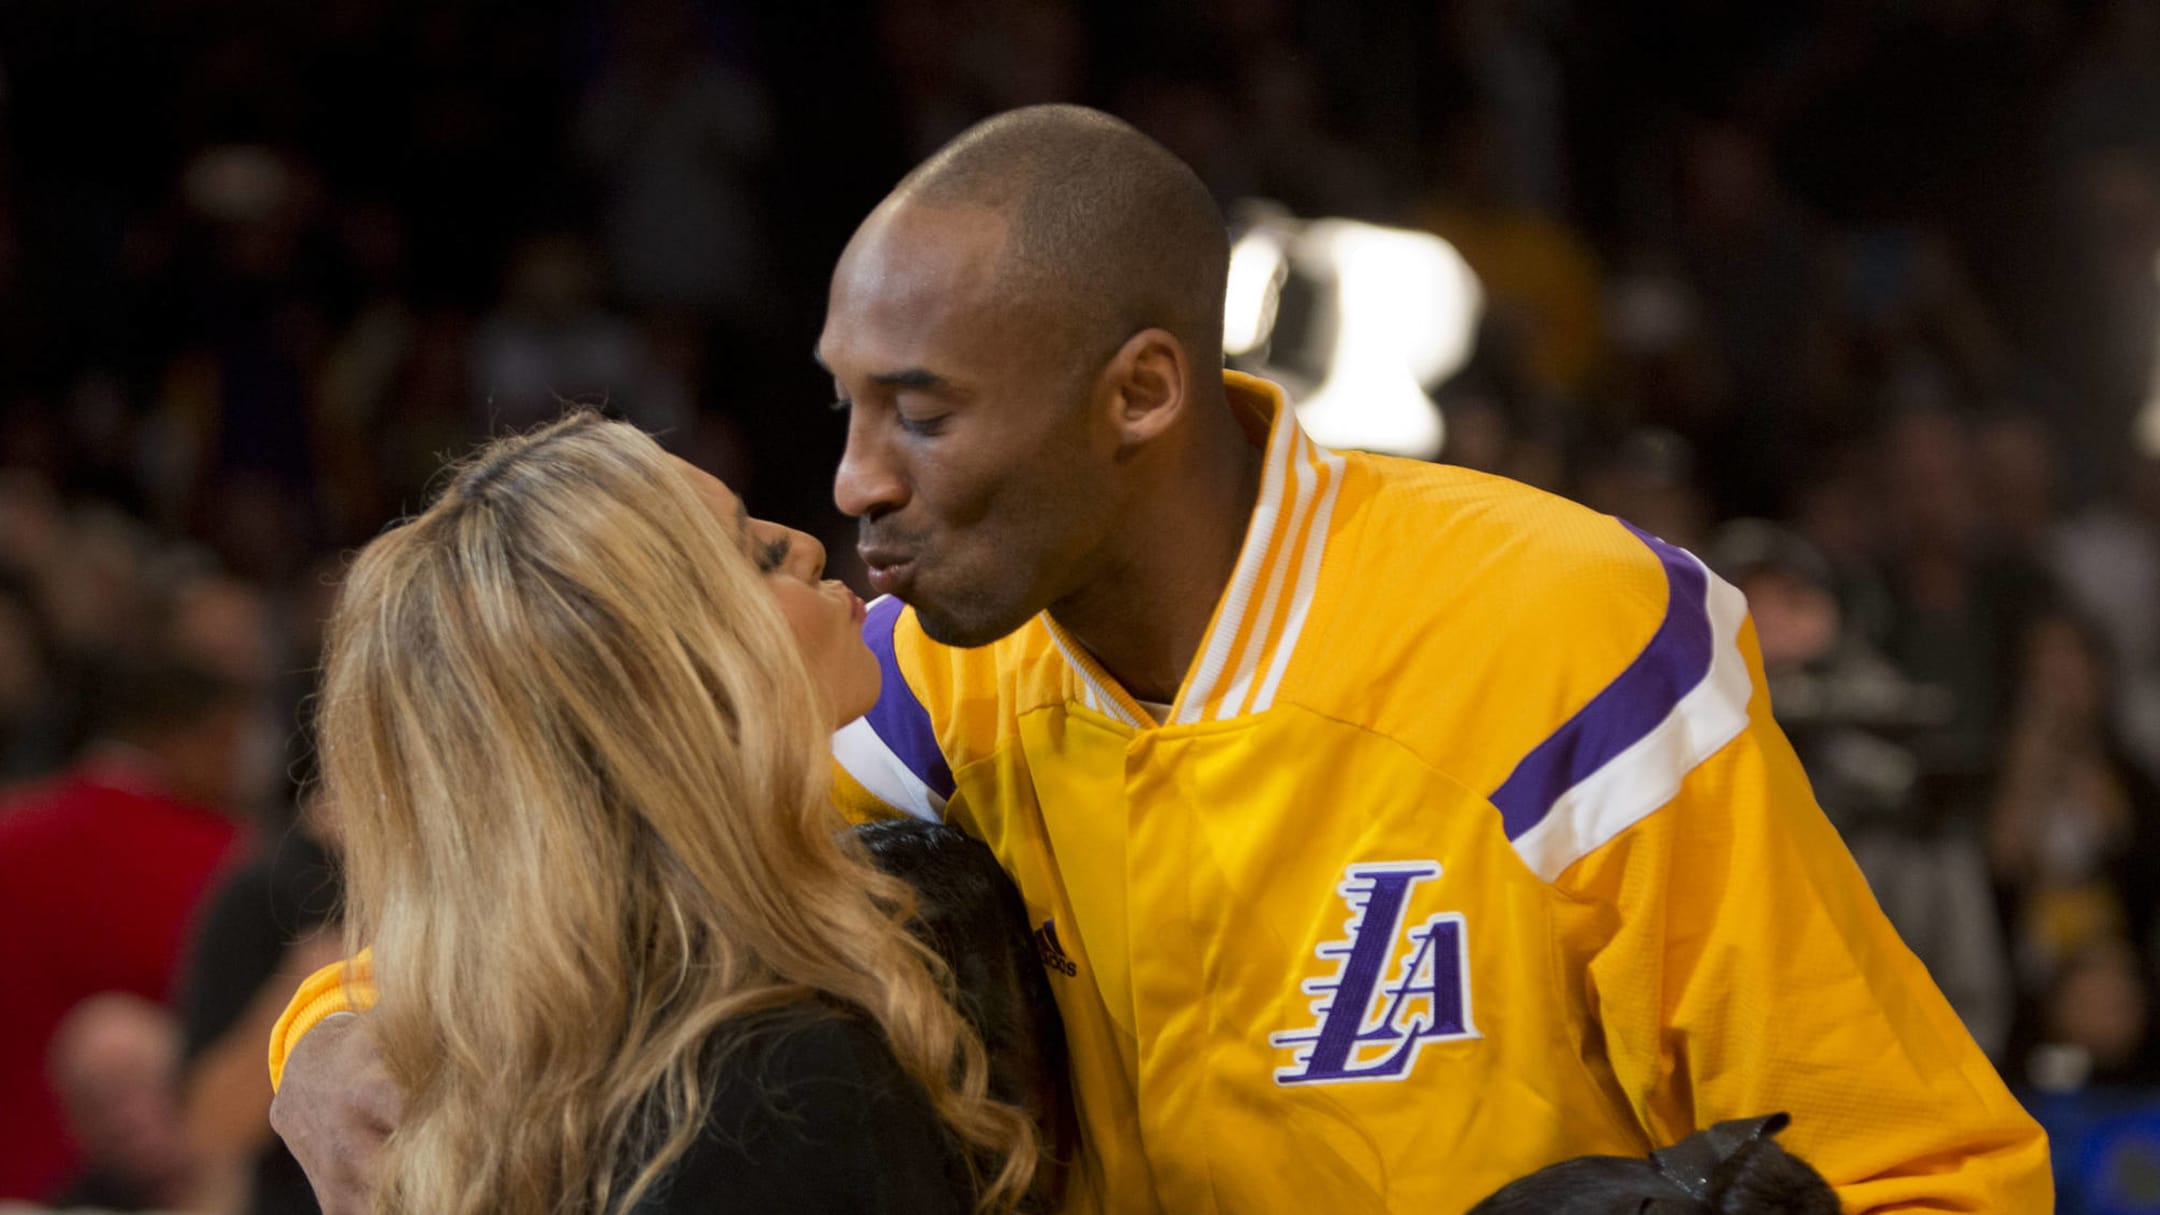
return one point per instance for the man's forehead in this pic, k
(916, 281)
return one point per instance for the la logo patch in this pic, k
(1391, 992)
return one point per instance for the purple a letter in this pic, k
(1355, 1036)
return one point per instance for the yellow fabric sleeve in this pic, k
(341, 987)
(857, 804)
(1738, 965)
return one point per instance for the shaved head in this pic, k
(1107, 230)
(1027, 337)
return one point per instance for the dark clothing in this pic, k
(103, 1191)
(811, 1114)
(277, 896)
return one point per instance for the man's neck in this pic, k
(1145, 616)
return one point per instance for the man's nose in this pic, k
(868, 483)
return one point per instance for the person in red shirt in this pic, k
(101, 868)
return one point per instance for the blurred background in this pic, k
(1858, 300)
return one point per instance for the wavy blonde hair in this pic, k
(581, 769)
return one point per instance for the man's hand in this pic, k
(334, 1109)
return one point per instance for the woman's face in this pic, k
(825, 615)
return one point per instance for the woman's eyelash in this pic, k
(771, 554)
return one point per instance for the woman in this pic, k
(576, 720)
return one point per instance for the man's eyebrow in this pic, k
(919, 378)
(913, 377)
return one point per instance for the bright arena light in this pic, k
(1397, 312)
(1257, 269)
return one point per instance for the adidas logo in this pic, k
(1053, 954)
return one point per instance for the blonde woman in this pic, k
(575, 721)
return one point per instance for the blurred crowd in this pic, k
(1857, 300)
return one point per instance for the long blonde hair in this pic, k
(581, 770)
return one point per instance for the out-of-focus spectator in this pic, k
(1516, 77)
(2096, 1023)
(92, 591)
(2074, 832)
(250, 271)
(77, 586)
(551, 341)
(1648, 479)
(2096, 314)
(2014, 462)
(1025, 52)
(1544, 297)
(1916, 325)
(2111, 97)
(1845, 706)
(1849, 713)
(1762, 268)
(113, 1063)
(100, 870)
(1485, 433)
(954, 61)
(426, 410)
(1663, 369)
(265, 927)
(1196, 118)
(26, 684)
(33, 523)
(674, 136)
(2106, 559)
(355, 386)
(222, 626)
(1963, 599)
(1297, 157)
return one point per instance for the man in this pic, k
(1390, 831)
(100, 869)
(113, 1065)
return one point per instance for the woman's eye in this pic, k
(771, 554)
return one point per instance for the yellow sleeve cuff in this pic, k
(857, 804)
(341, 987)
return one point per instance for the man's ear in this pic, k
(1145, 383)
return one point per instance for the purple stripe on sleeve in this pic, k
(1669, 667)
(899, 720)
